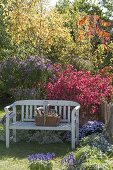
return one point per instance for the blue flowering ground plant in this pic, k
(71, 163)
(90, 127)
(87, 129)
(41, 161)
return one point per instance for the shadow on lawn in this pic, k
(21, 150)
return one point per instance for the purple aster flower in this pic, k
(71, 162)
(86, 129)
(41, 156)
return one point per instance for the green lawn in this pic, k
(15, 158)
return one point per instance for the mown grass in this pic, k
(15, 158)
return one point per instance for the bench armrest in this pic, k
(75, 121)
(7, 108)
(75, 113)
(9, 113)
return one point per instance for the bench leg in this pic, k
(14, 135)
(7, 137)
(77, 130)
(77, 134)
(73, 139)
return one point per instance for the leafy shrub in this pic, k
(80, 86)
(46, 137)
(93, 159)
(86, 158)
(24, 78)
(99, 141)
(41, 137)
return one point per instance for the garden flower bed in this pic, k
(94, 151)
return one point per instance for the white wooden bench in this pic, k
(68, 110)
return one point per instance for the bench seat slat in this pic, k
(32, 126)
(32, 120)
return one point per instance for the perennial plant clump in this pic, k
(69, 162)
(87, 129)
(90, 127)
(23, 73)
(93, 158)
(41, 161)
(41, 156)
(24, 78)
(99, 141)
(80, 86)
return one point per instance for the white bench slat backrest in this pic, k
(62, 107)
(31, 113)
(69, 117)
(22, 114)
(64, 112)
(26, 112)
(14, 111)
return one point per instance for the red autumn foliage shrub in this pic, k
(82, 87)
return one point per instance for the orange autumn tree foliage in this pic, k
(107, 72)
(93, 26)
(95, 29)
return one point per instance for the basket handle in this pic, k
(45, 105)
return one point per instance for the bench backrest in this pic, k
(27, 108)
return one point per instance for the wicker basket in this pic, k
(47, 120)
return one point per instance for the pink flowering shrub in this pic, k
(82, 87)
